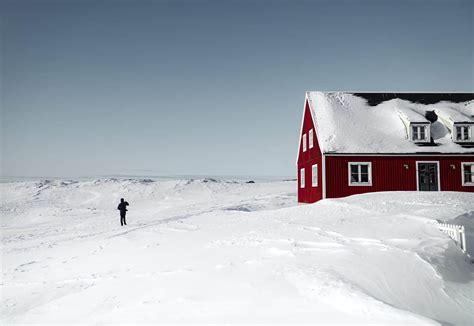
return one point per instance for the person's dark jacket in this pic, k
(122, 207)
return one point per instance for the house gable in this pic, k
(307, 124)
(309, 160)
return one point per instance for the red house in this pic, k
(352, 143)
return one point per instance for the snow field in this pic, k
(205, 251)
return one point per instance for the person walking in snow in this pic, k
(122, 207)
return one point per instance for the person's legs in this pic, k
(122, 219)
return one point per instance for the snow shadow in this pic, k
(467, 220)
(463, 272)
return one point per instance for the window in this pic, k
(462, 133)
(418, 133)
(302, 178)
(311, 139)
(467, 174)
(314, 175)
(360, 174)
(304, 142)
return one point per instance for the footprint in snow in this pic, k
(21, 267)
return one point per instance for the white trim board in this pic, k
(323, 175)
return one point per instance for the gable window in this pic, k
(311, 140)
(418, 133)
(360, 174)
(467, 173)
(304, 142)
(462, 133)
(314, 175)
(302, 178)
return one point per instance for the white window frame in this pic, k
(464, 183)
(469, 133)
(311, 138)
(302, 183)
(314, 175)
(427, 132)
(418, 177)
(369, 164)
(304, 142)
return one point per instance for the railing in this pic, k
(455, 232)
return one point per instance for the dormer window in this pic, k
(420, 133)
(417, 126)
(458, 123)
(462, 133)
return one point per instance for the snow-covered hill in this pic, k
(206, 251)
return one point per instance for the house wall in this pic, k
(309, 194)
(389, 174)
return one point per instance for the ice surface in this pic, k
(229, 252)
(345, 123)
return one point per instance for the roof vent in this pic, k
(431, 116)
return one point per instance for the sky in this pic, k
(204, 87)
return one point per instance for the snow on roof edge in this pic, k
(452, 114)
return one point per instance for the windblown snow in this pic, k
(206, 251)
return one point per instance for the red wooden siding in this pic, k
(309, 194)
(389, 174)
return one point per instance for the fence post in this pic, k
(455, 232)
(463, 239)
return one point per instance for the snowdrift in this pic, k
(206, 251)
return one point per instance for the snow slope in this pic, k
(206, 251)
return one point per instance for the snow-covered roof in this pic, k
(410, 115)
(352, 123)
(453, 115)
(470, 107)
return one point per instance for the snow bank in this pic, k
(205, 251)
